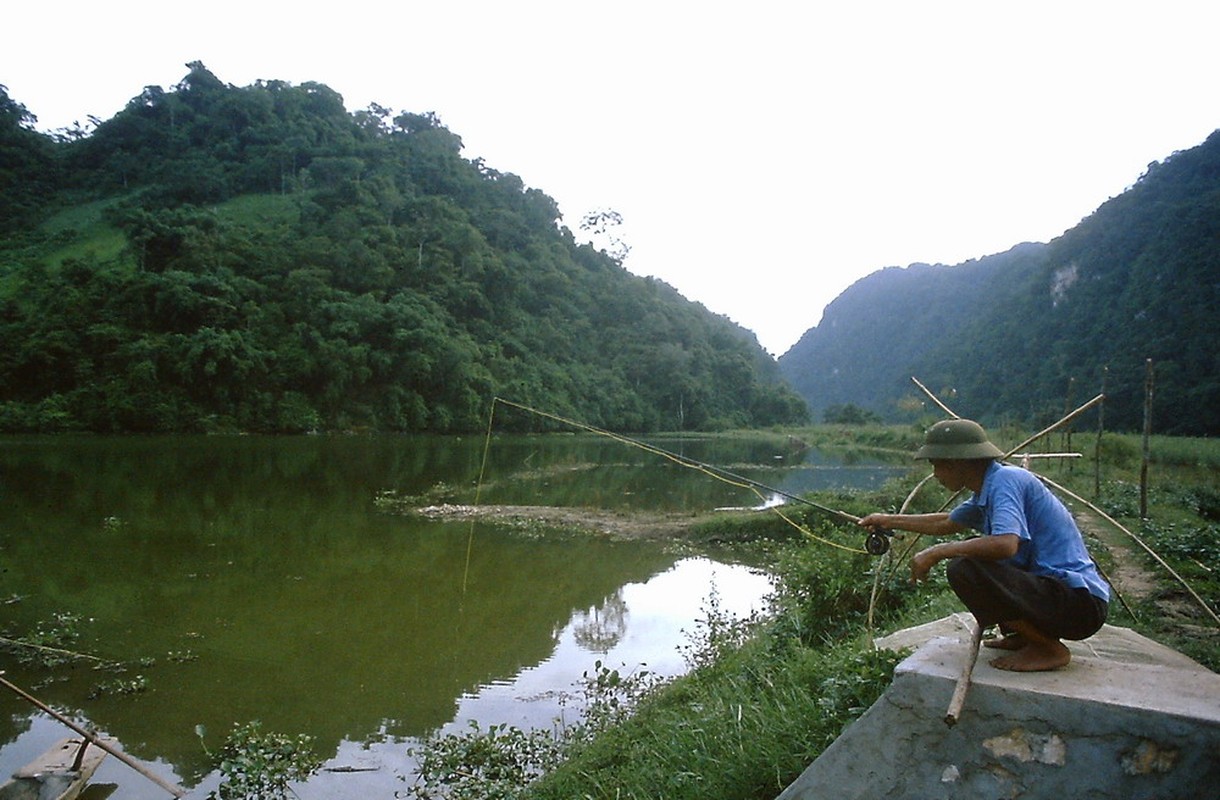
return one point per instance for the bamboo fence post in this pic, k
(1067, 434)
(1101, 425)
(1147, 436)
(934, 398)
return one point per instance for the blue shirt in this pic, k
(1013, 500)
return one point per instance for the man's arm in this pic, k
(985, 548)
(928, 524)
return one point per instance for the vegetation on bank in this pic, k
(763, 696)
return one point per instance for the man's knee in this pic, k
(962, 573)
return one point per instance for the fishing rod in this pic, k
(876, 542)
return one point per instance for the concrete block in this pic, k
(1128, 718)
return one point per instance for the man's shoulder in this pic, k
(1011, 473)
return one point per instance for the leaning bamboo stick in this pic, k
(1202, 603)
(934, 398)
(70, 653)
(1063, 421)
(176, 791)
(963, 681)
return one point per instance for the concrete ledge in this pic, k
(1128, 718)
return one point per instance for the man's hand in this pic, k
(923, 561)
(988, 548)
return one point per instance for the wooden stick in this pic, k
(1202, 603)
(963, 680)
(1063, 421)
(44, 648)
(176, 791)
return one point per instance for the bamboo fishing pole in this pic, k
(176, 791)
(711, 469)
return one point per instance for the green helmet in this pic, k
(957, 438)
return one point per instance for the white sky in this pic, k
(764, 155)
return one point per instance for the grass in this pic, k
(81, 231)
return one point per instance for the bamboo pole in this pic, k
(176, 791)
(1147, 456)
(1049, 429)
(1067, 403)
(1064, 420)
(1202, 603)
(45, 649)
(934, 398)
(963, 681)
(1101, 426)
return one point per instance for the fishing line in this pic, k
(876, 538)
(478, 489)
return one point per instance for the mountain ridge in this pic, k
(1015, 333)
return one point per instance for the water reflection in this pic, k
(649, 620)
(250, 578)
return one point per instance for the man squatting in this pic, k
(1030, 572)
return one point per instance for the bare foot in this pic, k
(1012, 641)
(1035, 657)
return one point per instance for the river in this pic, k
(257, 578)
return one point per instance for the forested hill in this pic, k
(258, 258)
(1020, 334)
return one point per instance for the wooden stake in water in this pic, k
(176, 791)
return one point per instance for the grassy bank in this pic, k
(765, 696)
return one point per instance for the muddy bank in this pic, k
(617, 524)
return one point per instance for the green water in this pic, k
(246, 578)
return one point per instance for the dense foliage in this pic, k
(1024, 333)
(257, 258)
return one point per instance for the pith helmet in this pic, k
(957, 438)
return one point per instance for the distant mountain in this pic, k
(221, 258)
(1021, 334)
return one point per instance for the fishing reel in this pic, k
(877, 543)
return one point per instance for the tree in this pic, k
(602, 225)
(849, 414)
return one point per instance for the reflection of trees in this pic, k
(603, 626)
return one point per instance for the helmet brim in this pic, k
(963, 451)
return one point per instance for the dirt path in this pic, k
(1176, 610)
(1128, 576)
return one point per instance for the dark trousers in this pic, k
(997, 593)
